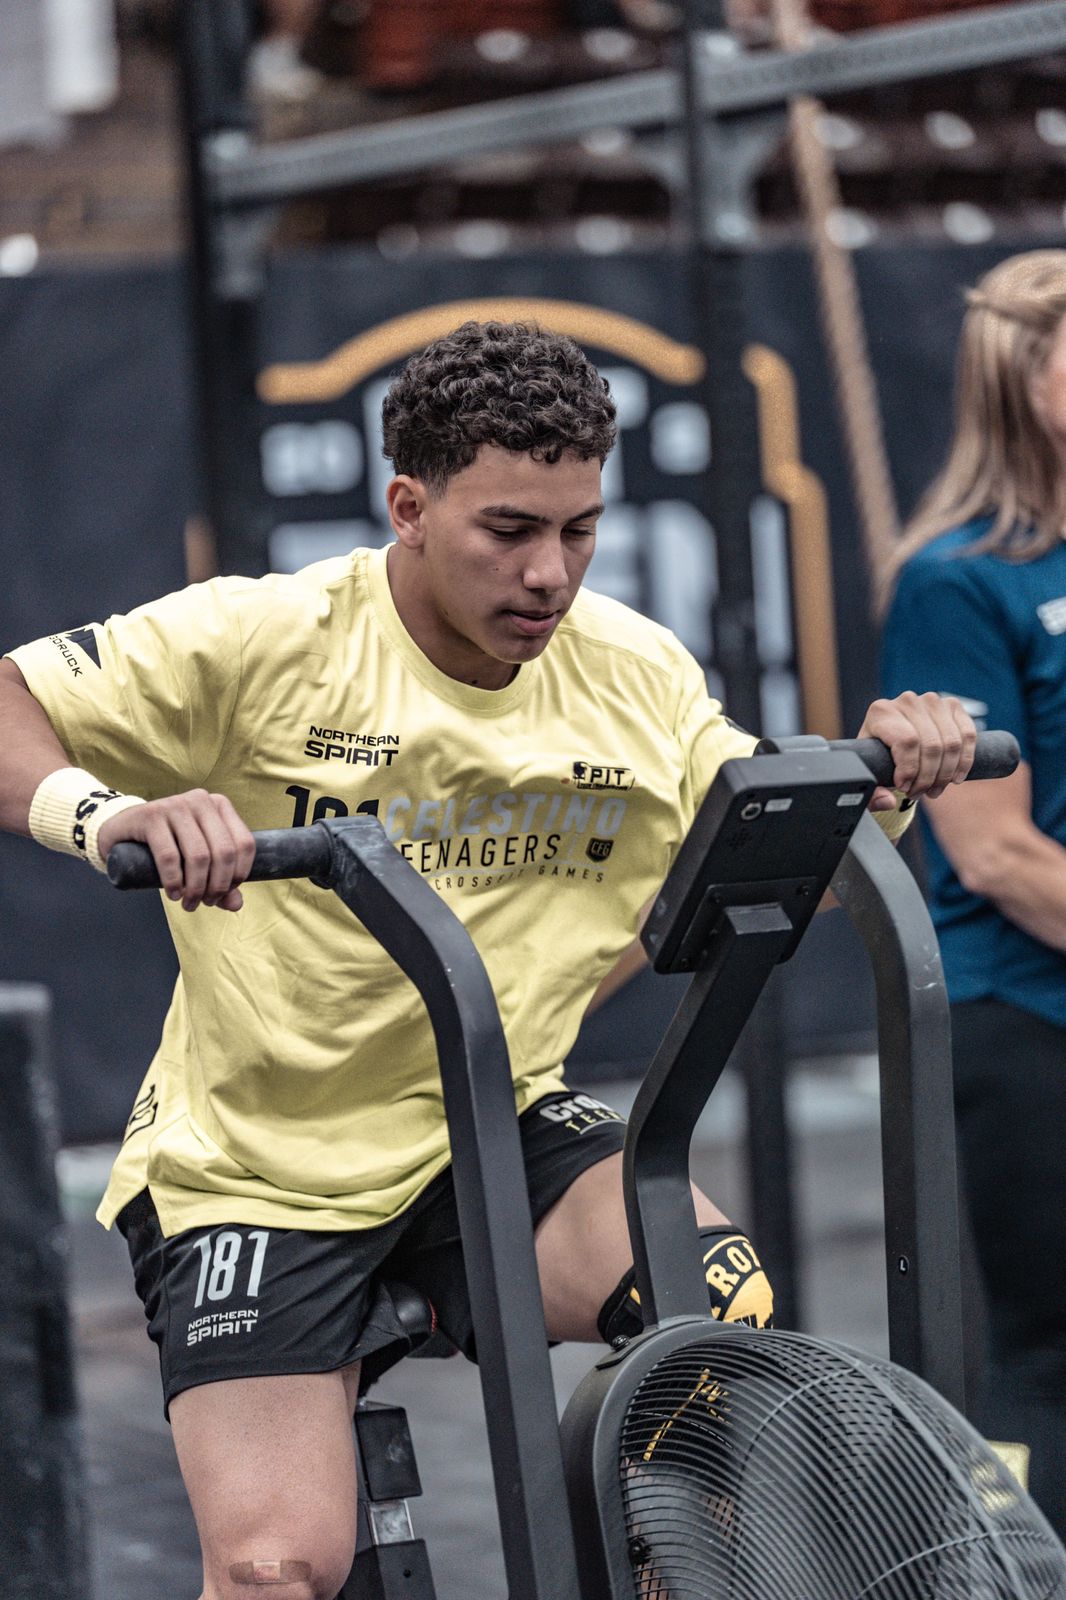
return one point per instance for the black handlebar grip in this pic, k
(279, 853)
(996, 756)
(131, 866)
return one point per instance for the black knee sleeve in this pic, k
(738, 1287)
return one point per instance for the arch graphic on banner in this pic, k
(784, 473)
(306, 382)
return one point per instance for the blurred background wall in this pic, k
(100, 482)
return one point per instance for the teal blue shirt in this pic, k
(992, 632)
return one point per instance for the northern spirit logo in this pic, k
(354, 749)
(595, 775)
(214, 1324)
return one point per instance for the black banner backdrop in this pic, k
(98, 479)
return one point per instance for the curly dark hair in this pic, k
(511, 384)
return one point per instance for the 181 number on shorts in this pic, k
(219, 1257)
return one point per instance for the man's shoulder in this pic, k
(322, 577)
(309, 591)
(327, 574)
(596, 622)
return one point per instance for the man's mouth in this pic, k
(532, 623)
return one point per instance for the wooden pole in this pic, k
(841, 311)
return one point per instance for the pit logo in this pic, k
(596, 775)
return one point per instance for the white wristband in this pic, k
(70, 807)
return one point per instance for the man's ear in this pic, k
(406, 500)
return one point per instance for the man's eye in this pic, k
(582, 531)
(507, 533)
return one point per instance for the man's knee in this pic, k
(737, 1287)
(269, 1465)
(312, 1569)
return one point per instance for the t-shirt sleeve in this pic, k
(706, 737)
(143, 701)
(946, 632)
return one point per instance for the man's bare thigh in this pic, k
(269, 1467)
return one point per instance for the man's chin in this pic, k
(515, 652)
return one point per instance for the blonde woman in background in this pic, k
(978, 610)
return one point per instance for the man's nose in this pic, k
(546, 566)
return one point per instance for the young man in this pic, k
(289, 1137)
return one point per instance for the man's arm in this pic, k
(987, 832)
(29, 749)
(202, 848)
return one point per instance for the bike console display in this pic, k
(771, 831)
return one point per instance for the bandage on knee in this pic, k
(265, 1572)
(737, 1286)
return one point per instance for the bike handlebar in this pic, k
(996, 756)
(306, 852)
(279, 853)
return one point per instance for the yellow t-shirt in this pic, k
(296, 1081)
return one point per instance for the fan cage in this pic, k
(766, 1465)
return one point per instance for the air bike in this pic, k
(704, 1461)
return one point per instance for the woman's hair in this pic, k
(510, 384)
(1002, 461)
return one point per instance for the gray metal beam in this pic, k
(240, 173)
(887, 55)
(323, 161)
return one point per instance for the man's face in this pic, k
(486, 570)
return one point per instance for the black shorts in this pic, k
(241, 1301)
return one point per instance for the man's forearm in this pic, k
(29, 749)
